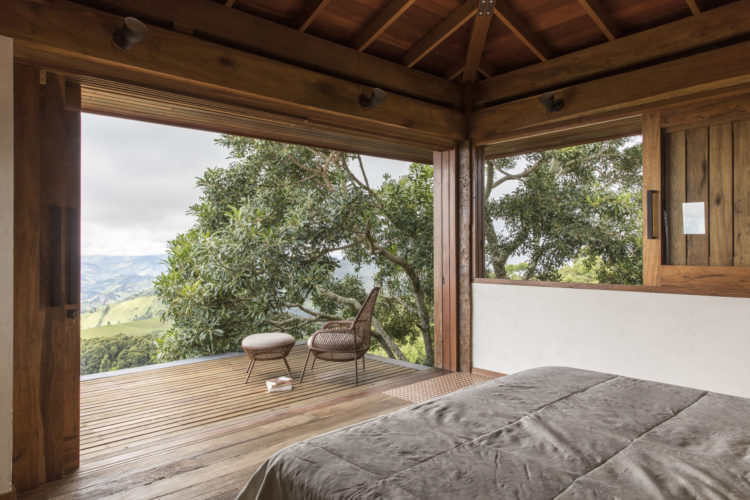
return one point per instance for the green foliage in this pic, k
(269, 231)
(102, 354)
(581, 202)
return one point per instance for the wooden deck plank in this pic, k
(197, 431)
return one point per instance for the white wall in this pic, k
(6, 262)
(690, 340)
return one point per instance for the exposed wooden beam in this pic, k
(229, 3)
(522, 31)
(77, 40)
(687, 34)
(381, 23)
(478, 37)
(601, 18)
(442, 31)
(312, 9)
(456, 71)
(693, 6)
(618, 95)
(258, 35)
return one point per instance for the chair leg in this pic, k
(249, 370)
(356, 370)
(288, 370)
(305, 368)
(312, 366)
(363, 362)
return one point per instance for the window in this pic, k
(572, 214)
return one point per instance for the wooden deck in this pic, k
(197, 431)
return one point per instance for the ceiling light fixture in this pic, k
(371, 101)
(132, 32)
(551, 104)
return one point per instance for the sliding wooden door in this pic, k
(46, 278)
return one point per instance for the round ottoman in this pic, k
(275, 345)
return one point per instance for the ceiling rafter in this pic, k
(477, 40)
(522, 30)
(312, 10)
(446, 28)
(454, 72)
(382, 22)
(601, 18)
(693, 6)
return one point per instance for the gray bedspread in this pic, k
(544, 433)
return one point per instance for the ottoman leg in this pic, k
(249, 370)
(288, 370)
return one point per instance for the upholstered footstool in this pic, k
(263, 346)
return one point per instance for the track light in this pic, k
(371, 101)
(132, 32)
(551, 104)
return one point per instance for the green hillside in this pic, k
(132, 328)
(134, 309)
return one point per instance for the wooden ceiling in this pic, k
(465, 40)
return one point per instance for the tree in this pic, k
(270, 230)
(552, 208)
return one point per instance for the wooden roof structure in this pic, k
(450, 67)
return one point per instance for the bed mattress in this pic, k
(550, 432)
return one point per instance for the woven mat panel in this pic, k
(434, 387)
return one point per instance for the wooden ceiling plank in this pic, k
(255, 34)
(73, 38)
(312, 9)
(382, 22)
(618, 95)
(601, 18)
(686, 34)
(478, 37)
(522, 31)
(446, 28)
(693, 6)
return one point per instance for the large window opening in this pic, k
(571, 214)
(193, 240)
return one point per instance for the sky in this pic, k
(138, 180)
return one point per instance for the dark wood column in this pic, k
(46, 279)
(454, 190)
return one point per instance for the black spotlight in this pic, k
(132, 32)
(377, 97)
(551, 104)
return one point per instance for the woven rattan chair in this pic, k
(344, 340)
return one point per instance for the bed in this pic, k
(549, 432)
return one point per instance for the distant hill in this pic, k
(117, 294)
(133, 309)
(107, 279)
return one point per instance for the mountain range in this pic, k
(108, 279)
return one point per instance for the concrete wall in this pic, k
(690, 340)
(6, 262)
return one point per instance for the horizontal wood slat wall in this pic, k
(709, 164)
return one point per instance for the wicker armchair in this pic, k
(344, 340)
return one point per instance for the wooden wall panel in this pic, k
(720, 195)
(446, 259)
(697, 190)
(742, 193)
(46, 337)
(674, 159)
